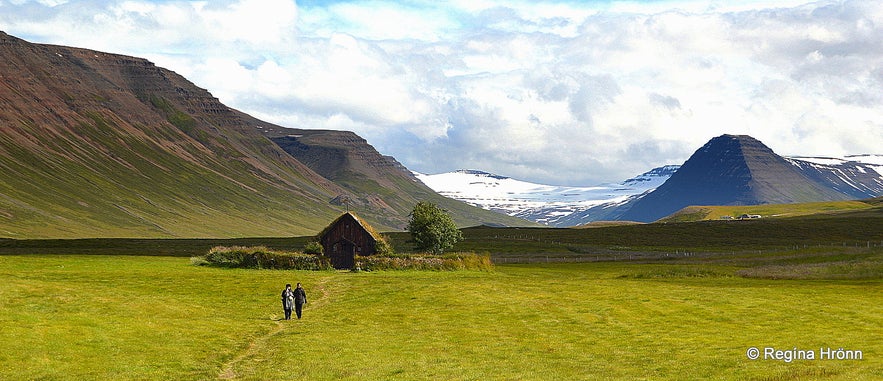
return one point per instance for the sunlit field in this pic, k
(111, 317)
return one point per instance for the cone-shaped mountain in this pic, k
(730, 170)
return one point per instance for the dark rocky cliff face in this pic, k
(371, 181)
(730, 170)
(335, 154)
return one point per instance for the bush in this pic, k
(383, 248)
(448, 262)
(261, 258)
(314, 247)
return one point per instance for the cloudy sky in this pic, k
(559, 92)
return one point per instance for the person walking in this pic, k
(288, 300)
(300, 298)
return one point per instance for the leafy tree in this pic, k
(432, 229)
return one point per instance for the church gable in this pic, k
(347, 237)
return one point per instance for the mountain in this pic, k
(104, 145)
(740, 170)
(546, 204)
(373, 182)
(859, 176)
(728, 170)
(612, 211)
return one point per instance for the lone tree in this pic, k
(432, 229)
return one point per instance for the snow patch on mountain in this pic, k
(874, 160)
(860, 176)
(547, 204)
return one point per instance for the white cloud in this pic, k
(559, 92)
(379, 20)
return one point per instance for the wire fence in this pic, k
(602, 254)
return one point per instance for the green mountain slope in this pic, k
(716, 212)
(102, 145)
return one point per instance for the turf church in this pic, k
(347, 237)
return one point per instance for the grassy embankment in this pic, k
(112, 317)
(705, 213)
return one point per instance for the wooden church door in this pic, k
(344, 255)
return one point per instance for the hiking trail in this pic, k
(260, 342)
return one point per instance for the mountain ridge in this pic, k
(551, 205)
(104, 145)
(810, 178)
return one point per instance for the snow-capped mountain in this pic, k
(860, 176)
(856, 177)
(547, 204)
(741, 170)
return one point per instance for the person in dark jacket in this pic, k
(288, 300)
(300, 298)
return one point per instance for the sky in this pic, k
(555, 92)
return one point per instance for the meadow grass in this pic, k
(855, 229)
(113, 317)
(698, 213)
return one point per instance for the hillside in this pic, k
(715, 212)
(859, 176)
(373, 182)
(104, 145)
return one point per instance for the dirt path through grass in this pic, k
(259, 343)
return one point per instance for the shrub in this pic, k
(261, 258)
(198, 261)
(314, 247)
(383, 248)
(448, 262)
(473, 261)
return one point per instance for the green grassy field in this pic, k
(849, 228)
(134, 317)
(699, 213)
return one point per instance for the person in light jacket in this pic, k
(288, 300)
(300, 298)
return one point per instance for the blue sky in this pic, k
(570, 93)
